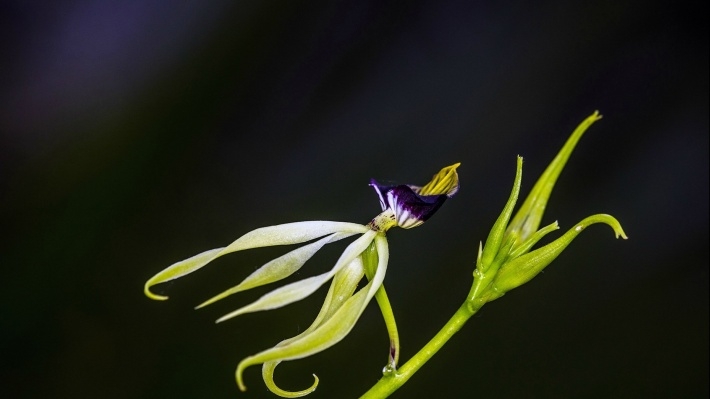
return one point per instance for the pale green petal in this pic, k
(300, 289)
(328, 330)
(344, 284)
(180, 269)
(289, 233)
(292, 233)
(278, 268)
(383, 256)
(331, 331)
(342, 287)
(282, 296)
(325, 336)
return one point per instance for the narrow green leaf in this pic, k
(528, 218)
(495, 237)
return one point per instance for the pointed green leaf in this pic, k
(527, 220)
(530, 242)
(495, 237)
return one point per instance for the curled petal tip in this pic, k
(268, 378)
(153, 296)
(240, 381)
(611, 222)
(294, 394)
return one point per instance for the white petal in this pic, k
(341, 289)
(328, 333)
(292, 233)
(301, 289)
(278, 268)
(383, 255)
(289, 233)
(180, 269)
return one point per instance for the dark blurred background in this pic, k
(136, 134)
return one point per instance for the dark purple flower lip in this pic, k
(413, 205)
(410, 209)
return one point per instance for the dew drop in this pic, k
(388, 370)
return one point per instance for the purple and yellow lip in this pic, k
(413, 205)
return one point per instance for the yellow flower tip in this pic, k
(149, 294)
(444, 182)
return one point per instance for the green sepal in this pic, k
(530, 242)
(527, 220)
(522, 269)
(496, 236)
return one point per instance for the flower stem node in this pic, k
(367, 257)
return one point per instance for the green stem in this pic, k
(390, 382)
(388, 315)
(370, 260)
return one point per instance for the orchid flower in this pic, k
(405, 206)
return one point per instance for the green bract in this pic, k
(506, 262)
